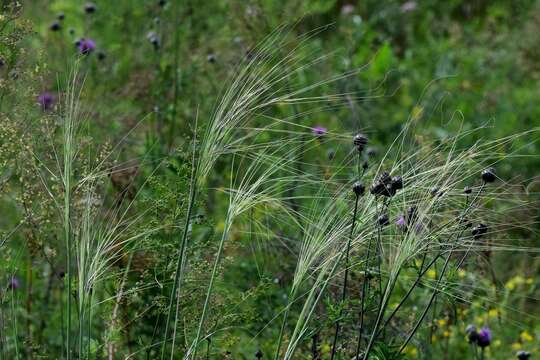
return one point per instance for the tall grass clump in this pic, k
(429, 221)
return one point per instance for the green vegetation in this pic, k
(300, 179)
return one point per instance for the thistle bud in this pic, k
(360, 141)
(382, 185)
(523, 355)
(359, 188)
(467, 190)
(55, 26)
(397, 183)
(90, 8)
(488, 175)
(259, 354)
(478, 231)
(60, 16)
(472, 334)
(383, 220)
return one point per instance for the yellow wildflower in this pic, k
(525, 336)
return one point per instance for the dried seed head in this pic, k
(371, 152)
(90, 8)
(359, 188)
(472, 334)
(381, 185)
(478, 231)
(523, 355)
(360, 141)
(397, 183)
(488, 175)
(383, 220)
(55, 26)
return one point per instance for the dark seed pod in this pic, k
(90, 8)
(523, 355)
(360, 141)
(60, 16)
(472, 334)
(434, 191)
(211, 58)
(382, 186)
(478, 231)
(467, 190)
(397, 183)
(55, 26)
(488, 175)
(383, 220)
(259, 354)
(101, 55)
(359, 188)
(371, 152)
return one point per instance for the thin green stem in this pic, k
(211, 286)
(345, 278)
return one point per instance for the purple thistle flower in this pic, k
(13, 283)
(484, 337)
(319, 130)
(86, 46)
(400, 222)
(46, 101)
